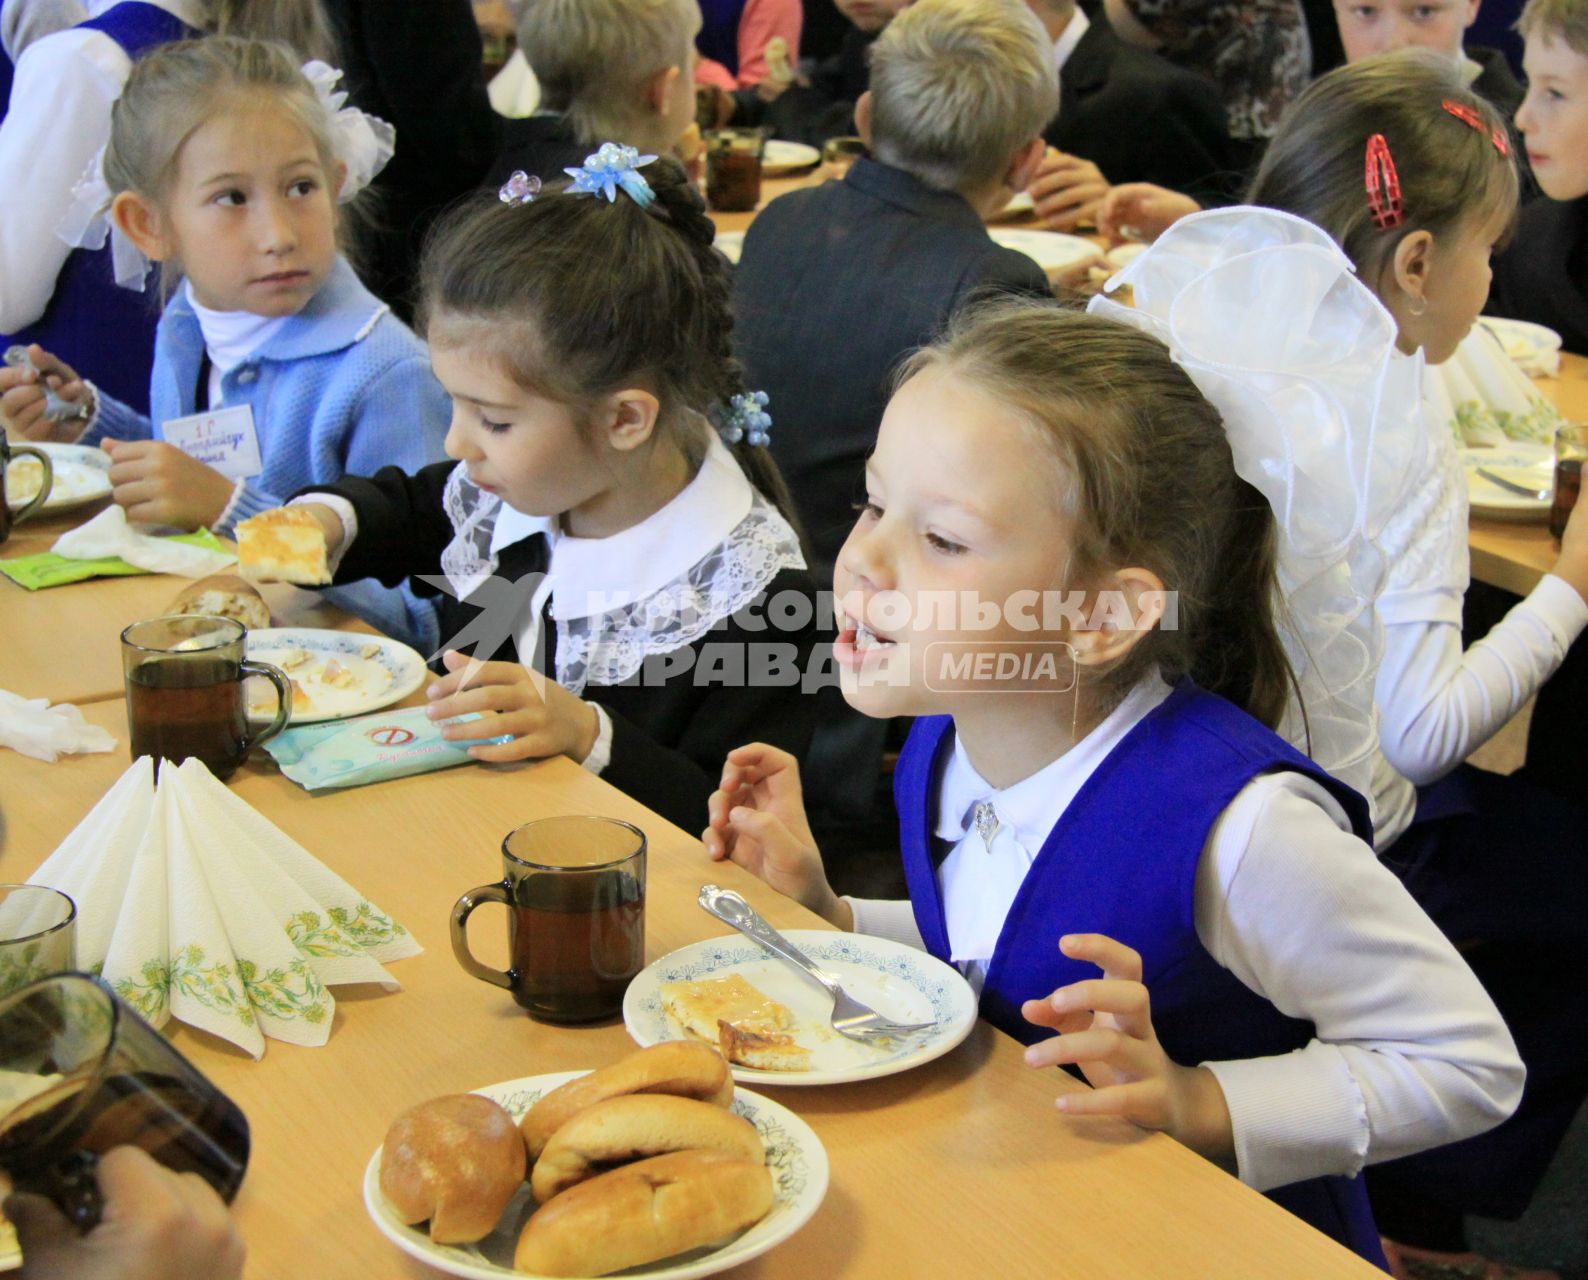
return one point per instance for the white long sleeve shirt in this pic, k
(59, 118)
(1410, 1052)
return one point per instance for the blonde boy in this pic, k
(1543, 276)
(609, 71)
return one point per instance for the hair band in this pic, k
(746, 419)
(609, 169)
(521, 188)
(1383, 185)
(1468, 116)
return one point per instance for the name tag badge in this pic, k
(224, 439)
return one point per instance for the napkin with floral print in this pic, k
(192, 905)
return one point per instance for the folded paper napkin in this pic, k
(1485, 398)
(47, 569)
(109, 534)
(33, 727)
(193, 906)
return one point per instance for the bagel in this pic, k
(644, 1211)
(633, 1127)
(674, 1066)
(455, 1160)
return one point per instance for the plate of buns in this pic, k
(774, 1026)
(655, 1166)
(80, 475)
(334, 674)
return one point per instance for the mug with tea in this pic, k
(80, 1073)
(1571, 450)
(185, 692)
(8, 453)
(733, 169)
(574, 889)
(38, 934)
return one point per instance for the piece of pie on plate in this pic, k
(284, 545)
(772, 1052)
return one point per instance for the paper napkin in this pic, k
(194, 906)
(47, 569)
(33, 727)
(109, 534)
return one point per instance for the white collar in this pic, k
(595, 575)
(1031, 806)
(1064, 46)
(231, 337)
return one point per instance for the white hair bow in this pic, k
(1265, 313)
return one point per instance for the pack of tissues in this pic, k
(193, 906)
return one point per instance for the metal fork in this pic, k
(850, 1017)
(1543, 495)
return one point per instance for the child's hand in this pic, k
(159, 484)
(1141, 211)
(543, 717)
(1572, 563)
(22, 398)
(1067, 190)
(757, 819)
(1105, 1027)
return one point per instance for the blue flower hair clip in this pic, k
(747, 419)
(521, 188)
(612, 167)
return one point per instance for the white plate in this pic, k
(1530, 465)
(1021, 204)
(897, 981)
(82, 475)
(785, 157)
(1051, 250)
(731, 243)
(1122, 255)
(384, 670)
(1535, 349)
(799, 1181)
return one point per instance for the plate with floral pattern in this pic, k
(794, 1154)
(897, 981)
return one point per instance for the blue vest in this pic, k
(1122, 861)
(719, 31)
(103, 331)
(8, 73)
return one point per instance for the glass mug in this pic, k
(1571, 448)
(185, 694)
(733, 169)
(82, 1073)
(574, 888)
(38, 934)
(8, 452)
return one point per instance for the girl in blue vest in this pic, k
(274, 367)
(62, 298)
(1270, 995)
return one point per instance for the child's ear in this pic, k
(863, 118)
(630, 418)
(1411, 267)
(338, 180)
(659, 89)
(140, 221)
(1130, 603)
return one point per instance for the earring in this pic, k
(1418, 306)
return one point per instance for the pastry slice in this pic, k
(772, 1052)
(697, 1007)
(283, 545)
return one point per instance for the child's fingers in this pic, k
(1041, 1013)
(477, 698)
(1115, 959)
(1093, 1047)
(1127, 1001)
(1142, 1102)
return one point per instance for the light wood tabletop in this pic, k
(958, 1168)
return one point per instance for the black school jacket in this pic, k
(1543, 274)
(668, 739)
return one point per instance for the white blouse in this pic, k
(1410, 1052)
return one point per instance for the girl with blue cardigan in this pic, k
(1270, 995)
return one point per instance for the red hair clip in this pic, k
(1383, 185)
(1468, 116)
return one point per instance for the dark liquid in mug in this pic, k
(48, 1144)
(733, 181)
(181, 707)
(577, 942)
(1568, 480)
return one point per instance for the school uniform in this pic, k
(1342, 1027)
(660, 626)
(1542, 275)
(67, 300)
(542, 145)
(1138, 117)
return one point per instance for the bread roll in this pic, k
(633, 1127)
(644, 1211)
(224, 596)
(456, 1160)
(687, 1070)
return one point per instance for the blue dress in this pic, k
(1122, 861)
(103, 331)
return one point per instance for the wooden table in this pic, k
(958, 1168)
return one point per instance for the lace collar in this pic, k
(647, 591)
